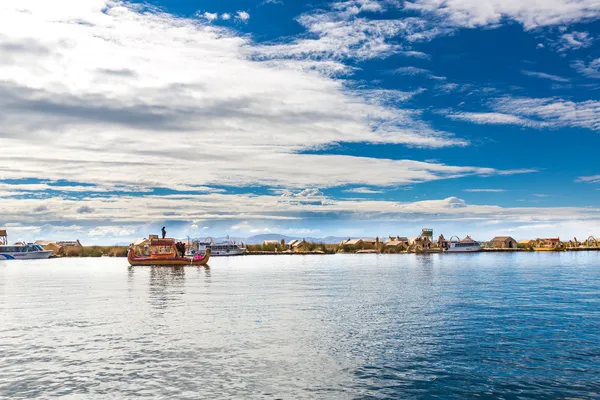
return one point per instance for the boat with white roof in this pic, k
(21, 251)
(467, 245)
(222, 249)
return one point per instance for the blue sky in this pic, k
(346, 118)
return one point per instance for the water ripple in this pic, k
(502, 326)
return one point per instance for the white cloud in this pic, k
(210, 16)
(182, 96)
(484, 190)
(345, 31)
(493, 118)
(554, 112)
(589, 179)
(363, 190)
(225, 16)
(415, 54)
(113, 231)
(414, 71)
(574, 41)
(591, 69)
(544, 75)
(264, 212)
(530, 13)
(537, 113)
(278, 2)
(242, 16)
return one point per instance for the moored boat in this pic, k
(163, 252)
(29, 251)
(21, 251)
(467, 245)
(550, 244)
(223, 249)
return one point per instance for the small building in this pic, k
(271, 242)
(69, 243)
(397, 244)
(3, 237)
(503, 242)
(60, 247)
(291, 243)
(550, 242)
(423, 241)
(300, 246)
(527, 243)
(354, 242)
(442, 242)
(468, 239)
(397, 239)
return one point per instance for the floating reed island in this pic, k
(423, 244)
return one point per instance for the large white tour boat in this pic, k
(467, 245)
(227, 248)
(29, 251)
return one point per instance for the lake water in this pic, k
(304, 327)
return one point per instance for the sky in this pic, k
(310, 119)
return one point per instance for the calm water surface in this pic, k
(325, 327)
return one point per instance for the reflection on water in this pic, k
(389, 326)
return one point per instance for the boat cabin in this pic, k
(155, 247)
(21, 248)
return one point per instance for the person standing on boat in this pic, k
(164, 232)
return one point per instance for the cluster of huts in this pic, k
(296, 246)
(60, 248)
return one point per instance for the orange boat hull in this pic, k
(166, 262)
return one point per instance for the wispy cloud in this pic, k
(531, 14)
(415, 71)
(590, 69)
(575, 40)
(493, 118)
(552, 112)
(363, 190)
(484, 190)
(589, 179)
(544, 75)
(203, 94)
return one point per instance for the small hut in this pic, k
(442, 242)
(3, 237)
(300, 246)
(527, 244)
(503, 242)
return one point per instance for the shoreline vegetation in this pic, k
(309, 248)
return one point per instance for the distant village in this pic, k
(423, 243)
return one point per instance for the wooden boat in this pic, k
(550, 244)
(556, 248)
(163, 252)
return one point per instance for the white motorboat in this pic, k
(29, 251)
(467, 245)
(227, 248)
